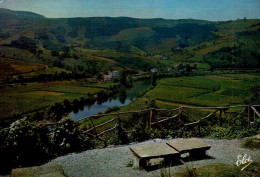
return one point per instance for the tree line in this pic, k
(45, 77)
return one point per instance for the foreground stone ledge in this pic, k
(52, 170)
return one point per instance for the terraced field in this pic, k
(205, 90)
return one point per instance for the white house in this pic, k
(169, 69)
(110, 75)
(154, 70)
(165, 58)
(113, 73)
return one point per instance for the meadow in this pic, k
(24, 98)
(211, 90)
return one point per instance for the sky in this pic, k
(214, 10)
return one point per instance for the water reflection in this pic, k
(121, 99)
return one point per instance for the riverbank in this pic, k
(123, 98)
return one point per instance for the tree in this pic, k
(187, 67)
(154, 79)
(129, 81)
(24, 43)
(180, 66)
(33, 50)
(38, 53)
(54, 53)
(122, 77)
(58, 110)
(212, 68)
(67, 104)
(122, 97)
(21, 78)
(100, 76)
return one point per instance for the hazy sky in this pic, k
(169, 9)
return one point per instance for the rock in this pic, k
(157, 140)
(51, 170)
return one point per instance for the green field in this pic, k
(33, 96)
(205, 90)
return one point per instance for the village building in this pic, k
(154, 70)
(107, 78)
(110, 75)
(165, 58)
(113, 73)
(169, 69)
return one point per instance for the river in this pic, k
(121, 99)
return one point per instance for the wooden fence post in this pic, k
(220, 113)
(150, 118)
(254, 116)
(199, 128)
(248, 117)
(93, 125)
(118, 120)
(180, 113)
(224, 112)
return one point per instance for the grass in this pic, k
(222, 170)
(16, 53)
(212, 90)
(47, 93)
(35, 96)
(174, 93)
(94, 54)
(233, 27)
(27, 69)
(192, 82)
(13, 67)
(212, 99)
(48, 70)
(251, 143)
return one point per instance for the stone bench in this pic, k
(143, 153)
(192, 146)
(170, 151)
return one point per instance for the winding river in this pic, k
(121, 99)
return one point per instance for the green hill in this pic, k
(66, 42)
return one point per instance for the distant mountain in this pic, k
(104, 32)
(18, 14)
(128, 42)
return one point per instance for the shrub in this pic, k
(165, 173)
(27, 143)
(188, 171)
(66, 137)
(24, 144)
(120, 136)
(251, 143)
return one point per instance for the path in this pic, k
(113, 161)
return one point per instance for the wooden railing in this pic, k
(219, 111)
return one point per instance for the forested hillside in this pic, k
(96, 44)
